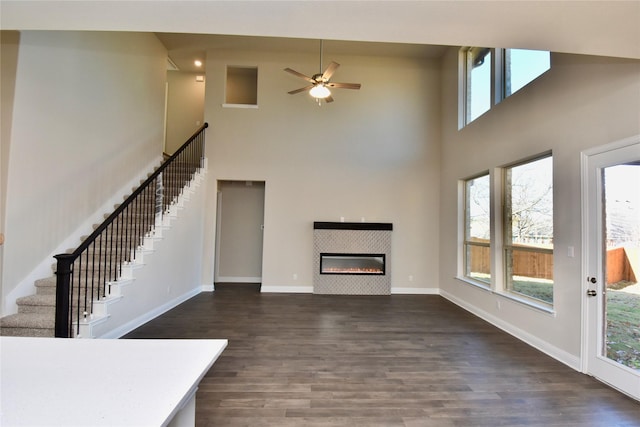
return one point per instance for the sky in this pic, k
(622, 198)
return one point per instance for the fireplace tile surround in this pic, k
(351, 241)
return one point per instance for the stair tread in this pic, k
(28, 320)
(47, 281)
(37, 299)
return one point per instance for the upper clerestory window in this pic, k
(522, 66)
(487, 76)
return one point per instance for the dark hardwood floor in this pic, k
(400, 360)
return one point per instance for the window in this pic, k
(506, 226)
(488, 76)
(528, 229)
(478, 62)
(477, 237)
(523, 66)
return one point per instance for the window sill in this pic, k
(527, 302)
(541, 307)
(477, 283)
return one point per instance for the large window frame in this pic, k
(534, 204)
(501, 244)
(491, 66)
(477, 236)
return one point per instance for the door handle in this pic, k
(591, 293)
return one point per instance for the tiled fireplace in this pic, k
(352, 258)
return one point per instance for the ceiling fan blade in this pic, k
(328, 99)
(344, 85)
(330, 70)
(297, 74)
(302, 89)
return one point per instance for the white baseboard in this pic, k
(415, 291)
(560, 355)
(287, 289)
(309, 290)
(141, 320)
(207, 288)
(238, 279)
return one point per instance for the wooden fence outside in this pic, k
(525, 263)
(620, 263)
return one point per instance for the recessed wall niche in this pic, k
(241, 86)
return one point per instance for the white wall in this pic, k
(88, 116)
(582, 102)
(185, 108)
(373, 153)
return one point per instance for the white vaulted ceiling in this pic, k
(605, 28)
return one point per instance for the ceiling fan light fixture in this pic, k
(320, 91)
(318, 85)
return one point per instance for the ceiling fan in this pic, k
(320, 82)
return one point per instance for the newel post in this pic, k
(63, 281)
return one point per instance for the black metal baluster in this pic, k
(147, 217)
(136, 225)
(101, 274)
(112, 251)
(133, 230)
(95, 265)
(79, 302)
(129, 236)
(117, 245)
(90, 273)
(172, 176)
(75, 309)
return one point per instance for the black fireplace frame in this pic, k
(383, 271)
(324, 225)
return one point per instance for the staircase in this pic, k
(110, 255)
(36, 313)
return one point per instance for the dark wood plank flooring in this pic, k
(400, 360)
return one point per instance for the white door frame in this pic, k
(216, 265)
(588, 335)
(219, 231)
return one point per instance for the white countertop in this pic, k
(76, 382)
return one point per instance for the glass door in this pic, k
(612, 258)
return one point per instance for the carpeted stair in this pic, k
(36, 313)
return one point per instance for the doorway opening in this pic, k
(239, 232)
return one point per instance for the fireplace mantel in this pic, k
(382, 226)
